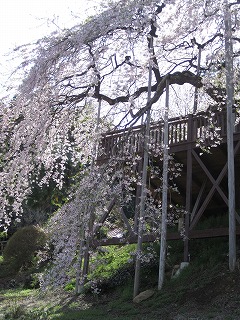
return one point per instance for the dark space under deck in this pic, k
(203, 183)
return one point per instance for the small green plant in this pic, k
(110, 267)
(3, 236)
(42, 314)
(15, 310)
(19, 312)
(71, 285)
(107, 262)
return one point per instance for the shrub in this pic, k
(20, 251)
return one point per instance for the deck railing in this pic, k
(182, 130)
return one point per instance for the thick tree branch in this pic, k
(179, 78)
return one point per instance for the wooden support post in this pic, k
(83, 259)
(163, 243)
(238, 190)
(125, 220)
(79, 284)
(230, 127)
(188, 191)
(138, 200)
(188, 204)
(143, 190)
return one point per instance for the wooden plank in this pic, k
(193, 234)
(199, 197)
(188, 201)
(125, 220)
(104, 216)
(197, 123)
(214, 182)
(212, 190)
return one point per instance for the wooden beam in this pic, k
(212, 190)
(125, 219)
(188, 203)
(104, 216)
(214, 182)
(199, 197)
(193, 234)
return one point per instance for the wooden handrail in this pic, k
(187, 129)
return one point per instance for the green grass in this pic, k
(208, 266)
(105, 264)
(116, 305)
(15, 293)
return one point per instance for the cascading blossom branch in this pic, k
(50, 121)
(105, 59)
(39, 141)
(70, 225)
(75, 222)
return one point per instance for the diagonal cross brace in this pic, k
(103, 218)
(106, 214)
(214, 182)
(214, 187)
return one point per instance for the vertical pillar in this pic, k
(188, 189)
(237, 190)
(141, 220)
(86, 234)
(138, 196)
(188, 204)
(230, 126)
(163, 243)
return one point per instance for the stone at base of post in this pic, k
(80, 288)
(179, 269)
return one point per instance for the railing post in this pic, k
(190, 132)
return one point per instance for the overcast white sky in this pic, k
(22, 21)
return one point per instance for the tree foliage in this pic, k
(105, 60)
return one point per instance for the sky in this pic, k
(25, 21)
(22, 21)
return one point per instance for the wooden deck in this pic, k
(183, 133)
(203, 184)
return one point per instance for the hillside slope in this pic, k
(201, 294)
